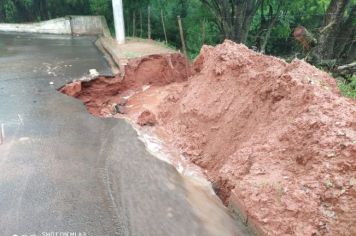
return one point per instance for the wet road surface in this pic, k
(63, 170)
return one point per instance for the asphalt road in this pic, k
(63, 170)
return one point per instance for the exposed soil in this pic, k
(102, 94)
(276, 136)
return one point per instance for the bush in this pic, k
(348, 87)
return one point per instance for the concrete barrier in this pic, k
(78, 25)
(55, 26)
(89, 25)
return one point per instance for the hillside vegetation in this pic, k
(321, 31)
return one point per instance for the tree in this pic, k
(234, 17)
(336, 29)
(265, 24)
(8, 11)
(345, 46)
(336, 36)
(268, 22)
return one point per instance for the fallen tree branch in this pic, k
(346, 71)
(348, 66)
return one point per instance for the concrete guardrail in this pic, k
(76, 25)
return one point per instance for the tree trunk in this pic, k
(41, 8)
(245, 12)
(352, 52)
(328, 34)
(2, 13)
(267, 36)
(266, 25)
(346, 36)
(336, 39)
(234, 18)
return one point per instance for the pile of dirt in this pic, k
(276, 136)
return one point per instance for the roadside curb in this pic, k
(114, 64)
(108, 46)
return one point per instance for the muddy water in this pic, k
(207, 205)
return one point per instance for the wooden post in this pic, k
(134, 24)
(203, 33)
(71, 25)
(182, 37)
(149, 23)
(164, 27)
(187, 67)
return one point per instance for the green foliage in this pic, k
(348, 88)
(199, 23)
(10, 11)
(308, 13)
(104, 8)
(199, 28)
(193, 15)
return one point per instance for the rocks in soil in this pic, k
(147, 118)
(72, 89)
(120, 109)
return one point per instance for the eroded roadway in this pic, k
(63, 170)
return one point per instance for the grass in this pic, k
(348, 87)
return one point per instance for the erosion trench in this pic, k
(276, 140)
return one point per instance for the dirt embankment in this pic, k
(274, 135)
(103, 93)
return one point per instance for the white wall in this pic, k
(55, 26)
(81, 25)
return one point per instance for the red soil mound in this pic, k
(276, 137)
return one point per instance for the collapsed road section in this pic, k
(63, 171)
(276, 140)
